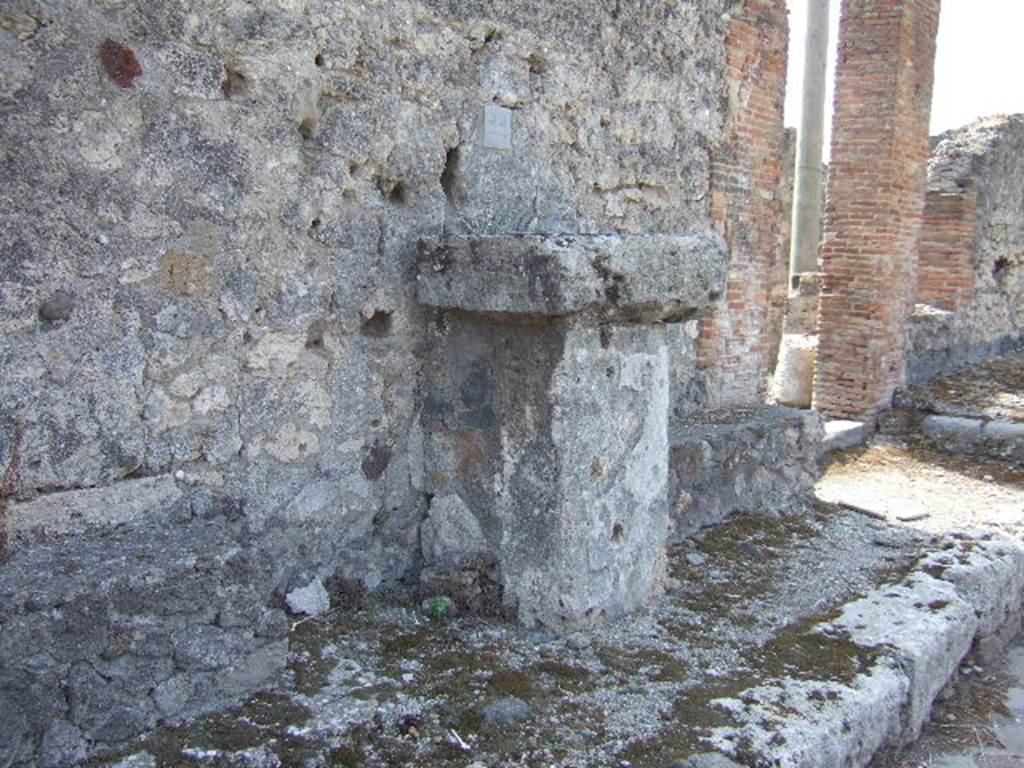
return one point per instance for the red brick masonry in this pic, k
(945, 270)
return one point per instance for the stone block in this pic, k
(954, 429)
(841, 434)
(1004, 432)
(546, 412)
(554, 437)
(793, 382)
(641, 277)
(755, 459)
(58, 514)
(311, 600)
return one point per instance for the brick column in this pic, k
(745, 205)
(875, 201)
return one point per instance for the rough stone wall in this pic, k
(746, 205)
(103, 640)
(875, 200)
(208, 249)
(970, 286)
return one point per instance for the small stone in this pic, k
(696, 559)
(507, 711)
(138, 760)
(179, 475)
(751, 549)
(311, 600)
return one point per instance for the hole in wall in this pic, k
(376, 460)
(376, 325)
(315, 341)
(493, 36)
(537, 63)
(1001, 268)
(319, 59)
(399, 194)
(450, 173)
(307, 128)
(618, 532)
(56, 309)
(234, 83)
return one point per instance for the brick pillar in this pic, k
(945, 267)
(875, 201)
(745, 206)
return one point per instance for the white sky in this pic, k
(979, 65)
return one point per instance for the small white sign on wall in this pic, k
(497, 127)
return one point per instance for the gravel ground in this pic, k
(394, 684)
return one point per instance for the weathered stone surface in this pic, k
(927, 625)
(209, 252)
(648, 277)
(841, 434)
(966, 595)
(547, 407)
(756, 459)
(450, 537)
(952, 428)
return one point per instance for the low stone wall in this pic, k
(103, 637)
(756, 459)
(970, 287)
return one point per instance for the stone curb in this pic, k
(967, 595)
(972, 431)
